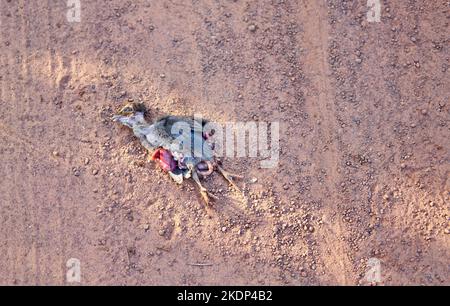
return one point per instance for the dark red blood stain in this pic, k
(165, 159)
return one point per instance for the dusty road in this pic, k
(364, 164)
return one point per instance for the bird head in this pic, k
(130, 114)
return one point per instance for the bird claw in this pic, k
(207, 196)
(229, 177)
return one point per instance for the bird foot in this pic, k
(207, 196)
(229, 177)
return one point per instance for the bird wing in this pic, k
(188, 143)
(169, 121)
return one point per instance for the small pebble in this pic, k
(252, 28)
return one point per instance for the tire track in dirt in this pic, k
(5, 194)
(24, 258)
(8, 225)
(385, 74)
(17, 211)
(54, 196)
(29, 193)
(18, 96)
(316, 67)
(292, 39)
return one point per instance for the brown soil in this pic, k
(364, 167)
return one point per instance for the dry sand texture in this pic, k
(364, 163)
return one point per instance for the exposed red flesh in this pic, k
(165, 159)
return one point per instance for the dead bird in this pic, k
(174, 151)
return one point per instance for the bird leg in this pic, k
(229, 177)
(203, 190)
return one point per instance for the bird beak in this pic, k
(116, 118)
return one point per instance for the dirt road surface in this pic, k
(364, 120)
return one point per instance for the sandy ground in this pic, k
(364, 165)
